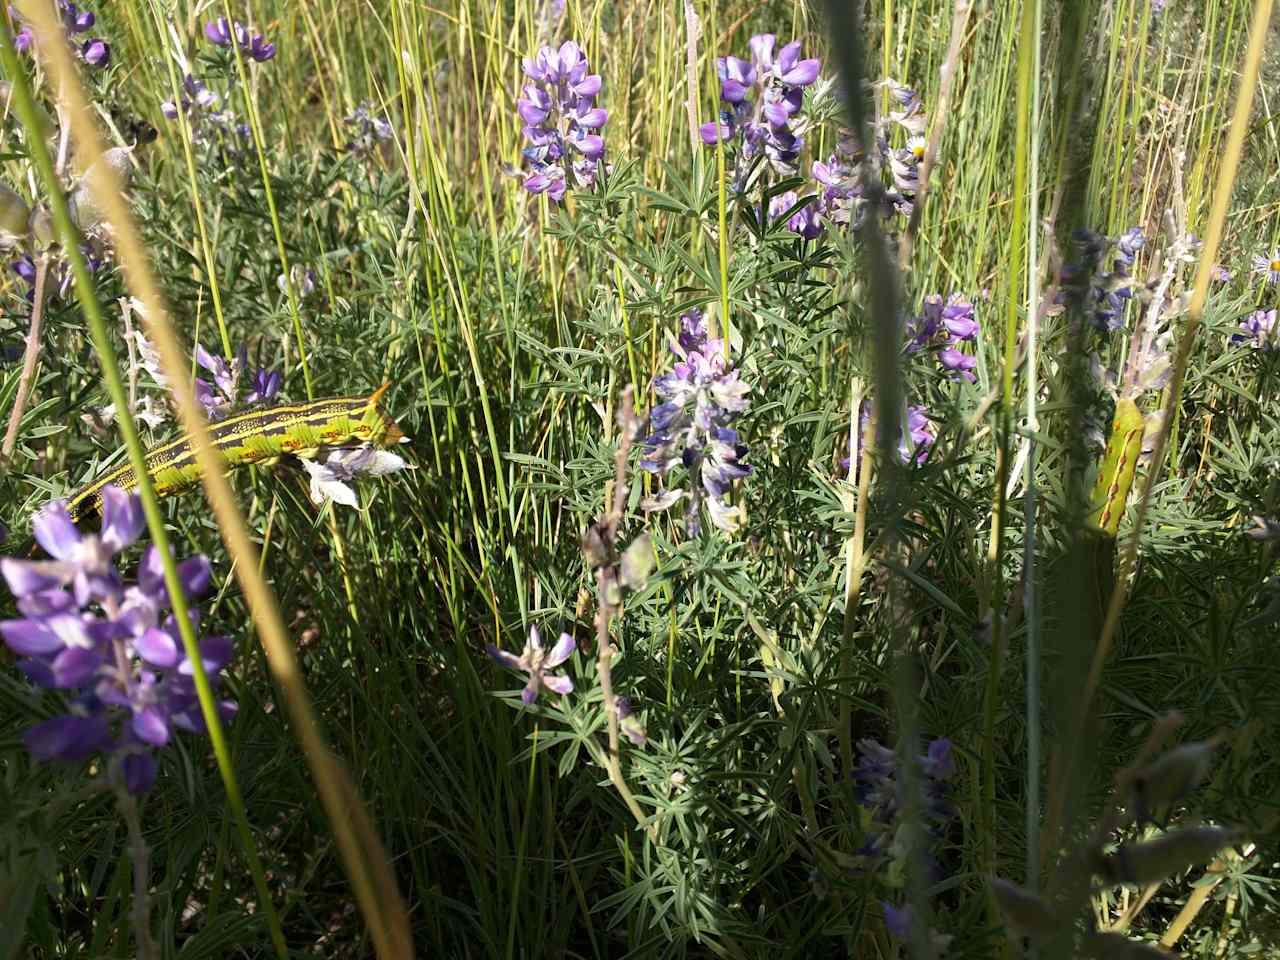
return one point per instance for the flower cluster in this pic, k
(879, 790)
(701, 395)
(913, 446)
(841, 187)
(763, 125)
(561, 121)
(112, 647)
(944, 326)
(537, 662)
(223, 394)
(369, 130)
(94, 51)
(1259, 329)
(254, 46)
(210, 124)
(1108, 291)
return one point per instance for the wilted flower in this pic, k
(763, 124)
(629, 723)
(334, 468)
(702, 395)
(1259, 330)
(1220, 274)
(112, 647)
(218, 397)
(562, 122)
(536, 661)
(1268, 267)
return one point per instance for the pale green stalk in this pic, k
(1030, 594)
(259, 146)
(184, 128)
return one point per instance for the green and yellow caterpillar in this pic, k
(255, 436)
(1119, 463)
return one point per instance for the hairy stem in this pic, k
(29, 358)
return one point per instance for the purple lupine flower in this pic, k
(561, 121)
(195, 96)
(958, 364)
(921, 432)
(96, 52)
(223, 34)
(75, 20)
(1267, 267)
(112, 646)
(945, 325)
(629, 723)
(266, 384)
(536, 661)
(898, 921)
(1259, 330)
(762, 124)
(806, 221)
(878, 789)
(1110, 291)
(701, 395)
(1220, 274)
(370, 130)
(218, 397)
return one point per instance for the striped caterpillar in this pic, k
(255, 436)
(1119, 463)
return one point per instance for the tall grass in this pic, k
(955, 598)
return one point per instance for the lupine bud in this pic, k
(1155, 860)
(1171, 777)
(637, 563)
(40, 227)
(14, 216)
(1023, 911)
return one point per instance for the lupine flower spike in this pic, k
(760, 99)
(561, 121)
(702, 395)
(111, 647)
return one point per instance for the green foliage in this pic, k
(510, 329)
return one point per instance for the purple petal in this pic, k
(67, 738)
(530, 691)
(713, 132)
(195, 574)
(733, 91)
(588, 86)
(157, 647)
(802, 74)
(122, 518)
(75, 667)
(561, 651)
(506, 659)
(55, 532)
(151, 726)
(29, 638)
(139, 770)
(558, 683)
(26, 578)
(594, 118)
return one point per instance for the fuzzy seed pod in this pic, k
(1171, 777)
(1153, 861)
(14, 215)
(1023, 911)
